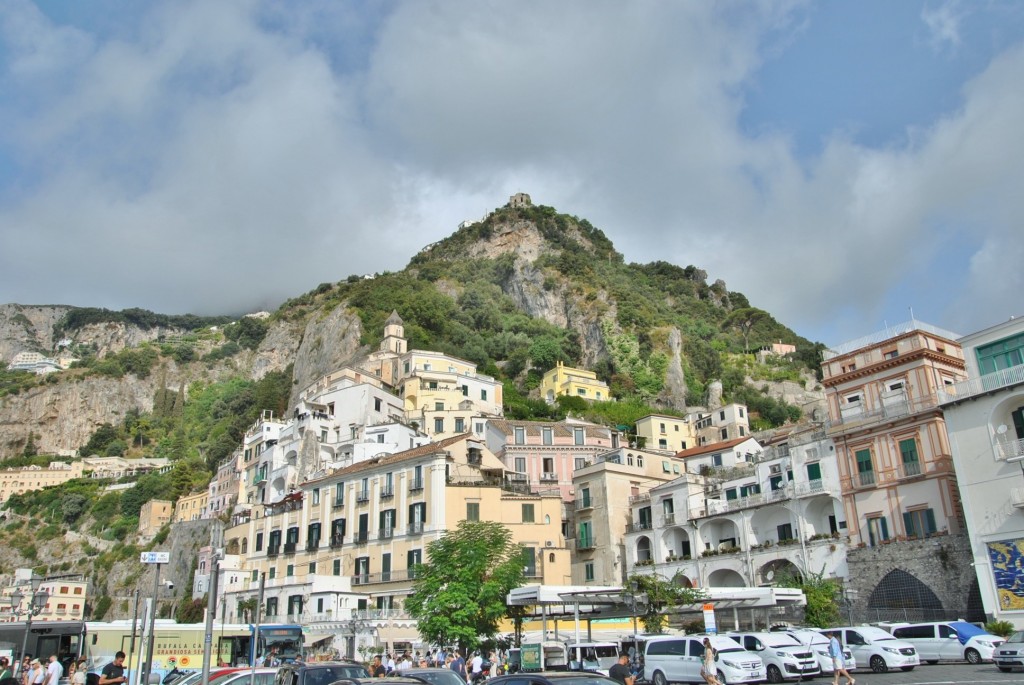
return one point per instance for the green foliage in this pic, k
(458, 596)
(101, 608)
(13, 382)
(98, 441)
(771, 412)
(73, 506)
(190, 610)
(822, 595)
(659, 595)
(248, 332)
(138, 362)
(1003, 629)
(647, 372)
(80, 317)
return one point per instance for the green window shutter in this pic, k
(885, 528)
(908, 524)
(814, 471)
(863, 461)
(929, 521)
(908, 450)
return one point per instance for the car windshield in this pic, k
(781, 640)
(874, 634)
(1016, 637)
(439, 677)
(812, 638)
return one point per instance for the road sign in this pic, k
(155, 557)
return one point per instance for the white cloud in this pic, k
(223, 156)
(943, 23)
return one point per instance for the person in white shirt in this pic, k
(477, 667)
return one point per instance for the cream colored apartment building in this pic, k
(153, 516)
(29, 478)
(65, 602)
(191, 507)
(572, 382)
(339, 551)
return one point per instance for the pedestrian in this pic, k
(36, 673)
(5, 668)
(113, 673)
(708, 670)
(377, 669)
(81, 675)
(835, 650)
(476, 667)
(621, 671)
(459, 665)
(25, 669)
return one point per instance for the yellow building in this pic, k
(668, 433)
(153, 516)
(190, 507)
(565, 380)
(28, 478)
(341, 550)
(65, 602)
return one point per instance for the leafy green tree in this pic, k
(98, 441)
(822, 595)
(30, 449)
(247, 607)
(73, 506)
(459, 595)
(658, 595)
(744, 320)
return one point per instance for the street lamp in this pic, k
(37, 602)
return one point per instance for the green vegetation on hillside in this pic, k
(80, 317)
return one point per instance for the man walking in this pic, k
(620, 671)
(54, 671)
(835, 650)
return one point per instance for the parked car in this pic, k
(432, 676)
(1010, 654)
(552, 678)
(261, 676)
(818, 644)
(671, 659)
(319, 672)
(948, 641)
(876, 648)
(784, 657)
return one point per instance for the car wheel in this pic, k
(932, 661)
(908, 669)
(1004, 669)
(721, 678)
(878, 664)
(659, 678)
(774, 674)
(973, 656)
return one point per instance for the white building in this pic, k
(985, 420)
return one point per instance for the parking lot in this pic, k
(944, 674)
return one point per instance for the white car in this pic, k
(948, 641)
(784, 657)
(671, 659)
(818, 644)
(877, 649)
(1010, 654)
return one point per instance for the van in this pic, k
(818, 644)
(784, 657)
(948, 641)
(876, 648)
(670, 659)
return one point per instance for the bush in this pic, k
(1001, 628)
(101, 608)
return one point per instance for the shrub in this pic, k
(1001, 628)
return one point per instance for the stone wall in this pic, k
(941, 563)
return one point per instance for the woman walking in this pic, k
(708, 670)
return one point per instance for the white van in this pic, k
(877, 649)
(784, 657)
(948, 641)
(818, 644)
(593, 656)
(670, 659)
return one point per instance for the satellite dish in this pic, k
(1001, 429)
(769, 575)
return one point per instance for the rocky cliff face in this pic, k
(25, 328)
(328, 343)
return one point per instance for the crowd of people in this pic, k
(475, 669)
(31, 671)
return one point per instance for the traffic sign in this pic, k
(155, 557)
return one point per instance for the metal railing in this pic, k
(585, 543)
(338, 503)
(636, 527)
(866, 478)
(387, 493)
(361, 537)
(289, 547)
(415, 528)
(1010, 450)
(856, 417)
(911, 468)
(363, 496)
(415, 484)
(337, 541)
(386, 533)
(979, 386)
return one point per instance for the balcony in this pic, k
(866, 478)
(1010, 450)
(361, 537)
(987, 384)
(415, 528)
(910, 469)
(415, 485)
(637, 499)
(289, 547)
(313, 545)
(386, 533)
(581, 504)
(273, 551)
(387, 493)
(363, 496)
(338, 504)
(585, 543)
(378, 614)
(337, 541)
(547, 476)
(260, 478)
(1017, 497)
(856, 417)
(637, 527)
(383, 577)
(669, 519)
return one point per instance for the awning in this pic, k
(314, 638)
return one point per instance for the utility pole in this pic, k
(158, 558)
(131, 645)
(211, 608)
(256, 630)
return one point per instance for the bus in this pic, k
(63, 638)
(233, 644)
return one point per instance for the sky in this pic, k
(842, 164)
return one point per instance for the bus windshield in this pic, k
(284, 641)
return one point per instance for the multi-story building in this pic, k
(675, 434)
(153, 516)
(225, 487)
(604, 490)
(338, 553)
(191, 507)
(29, 478)
(543, 455)
(985, 419)
(119, 467)
(571, 382)
(745, 522)
(894, 456)
(65, 602)
(900, 495)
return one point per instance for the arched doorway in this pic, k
(776, 570)
(724, 577)
(643, 549)
(900, 596)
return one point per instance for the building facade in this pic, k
(571, 382)
(985, 418)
